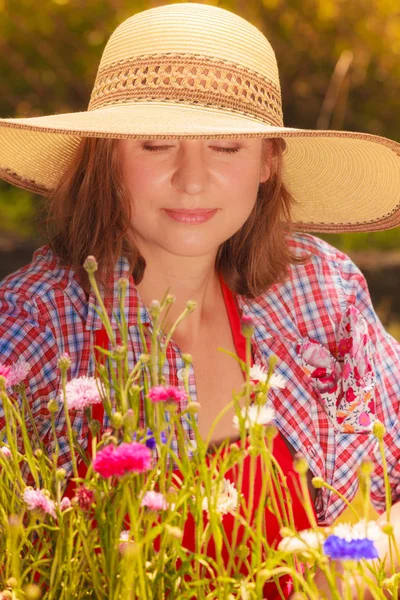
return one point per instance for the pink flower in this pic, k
(126, 458)
(37, 500)
(84, 498)
(124, 541)
(82, 392)
(364, 419)
(154, 501)
(5, 372)
(345, 346)
(350, 395)
(15, 373)
(167, 393)
(65, 504)
(6, 452)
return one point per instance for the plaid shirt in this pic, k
(44, 312)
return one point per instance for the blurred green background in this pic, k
(339, 67)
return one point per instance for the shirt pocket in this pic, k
(344, 381)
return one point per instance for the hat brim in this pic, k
(341, 181)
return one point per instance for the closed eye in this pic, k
(227, 150)
(216, 148)
(155, 148)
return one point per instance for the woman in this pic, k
(179, 174)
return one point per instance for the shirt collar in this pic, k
(132, 307)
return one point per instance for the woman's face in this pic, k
(190, 196)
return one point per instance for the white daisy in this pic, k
(258, 373)
(359, 531)
(304, 541)
(255, 414)
(227, 499)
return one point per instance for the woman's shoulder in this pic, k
(323, 265)
(316, 248)
(42, 274)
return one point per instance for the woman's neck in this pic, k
(186, 280)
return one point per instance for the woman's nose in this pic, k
(191, 173)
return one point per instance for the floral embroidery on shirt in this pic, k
(345, 383)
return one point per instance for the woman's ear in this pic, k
(267, 155)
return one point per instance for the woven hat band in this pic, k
(189, 79)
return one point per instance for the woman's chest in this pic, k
(216, 376)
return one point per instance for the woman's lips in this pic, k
(191, 216)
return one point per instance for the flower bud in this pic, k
(123, 283)
(52, 405)
(117, 420)
(300, 463)
(242, 551)
(193, 407)
(286, 532)
(247, 326)
(6, 595)
(119, 352)
(379, 430)
(318, 482)
(154, 309)
(173, 531)
(61, 474)
(32, 592)
(387, 528)
(12, 582)
(90, 264)
(187, 359)
(129, 419)
(390, 582)
(170, 299)
(191, 305)
(38, 453)
(94, 427)
(64, 362)
(144, 359)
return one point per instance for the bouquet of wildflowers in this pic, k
(148, 518)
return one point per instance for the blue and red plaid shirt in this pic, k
(44, 313)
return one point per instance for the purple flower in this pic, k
(150, 440)
(339, 549)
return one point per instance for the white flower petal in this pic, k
(227, 499)
(305, 540)
(361, 530)
(255, 414)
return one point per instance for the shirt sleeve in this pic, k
(25, 334)
(386, 357)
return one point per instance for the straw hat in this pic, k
(198, 71)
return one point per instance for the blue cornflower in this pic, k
(337, 548)
(150, 439)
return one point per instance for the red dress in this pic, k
(280, 452)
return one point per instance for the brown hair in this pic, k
(90, 213)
